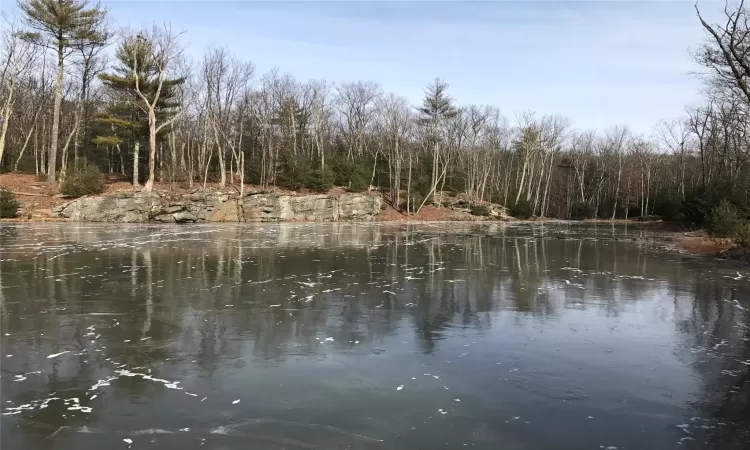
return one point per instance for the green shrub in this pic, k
(320, 180)
(342, 169)
(669, 208)
(699, 204)
(353, 175)
(357, 183)
(742, 236)
(582, 211)
(696, 209)
(83, 179)
(293, 180)
(295, 172)
(480, 210)
(522, 209)
(8, 204)
(726, 220)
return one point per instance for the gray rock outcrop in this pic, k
(212, 206)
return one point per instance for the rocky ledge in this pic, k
(213, 206)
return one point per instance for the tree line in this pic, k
(150, 113)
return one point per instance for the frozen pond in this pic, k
(368, 336)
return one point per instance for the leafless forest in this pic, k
(135, 104)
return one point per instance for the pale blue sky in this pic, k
(598, 62)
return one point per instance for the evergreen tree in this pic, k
(61, 25)
(122, 124)
(126, 120)
(437, 107)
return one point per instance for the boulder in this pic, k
(226, 212)
(359, 206)
(122, 207)
(261, 208)
(498, 212)
(309, 208)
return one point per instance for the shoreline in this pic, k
(40, 206)
(673, 236)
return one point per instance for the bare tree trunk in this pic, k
(151, 150)
(408, 188)
(36, 151)
(136, 161)
(396, 182)
(374, 166)
(64, 163)
(52, 156)
(122, 160)
(523, 176)
(435, 154)
(617, 188)
(545, 195)
(539, 187)
(173, 153)
(220, 155)
(25, 143)
(191, 165)
(242, 174)
(205, 175)
(6, 116)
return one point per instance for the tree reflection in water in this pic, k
(215, 307)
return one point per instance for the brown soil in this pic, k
(428, 213)
(35, 196)
(657, 225)
(699, 243)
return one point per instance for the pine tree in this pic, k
(122, 123)
(437, 107)
(128, 118)
(61, 25)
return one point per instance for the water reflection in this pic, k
(368, 336)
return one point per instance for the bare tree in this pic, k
(727, 52)
(674, 135)
(19, 56)
(396, 121)
(617, 138)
